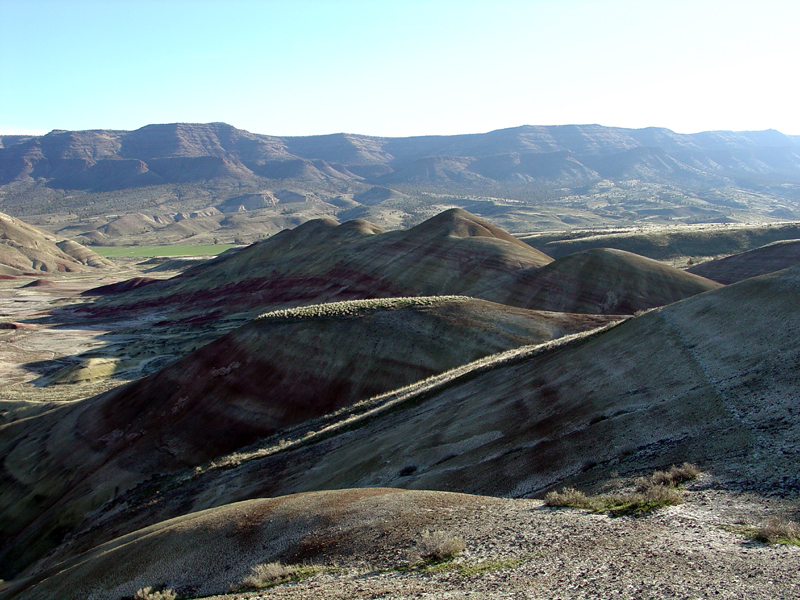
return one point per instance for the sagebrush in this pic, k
(148, 593)
(653, 492)
(777, 530)
(435, 546)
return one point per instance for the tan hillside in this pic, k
(26, 249)
(599, 281)
(271, 374)
(767, 259)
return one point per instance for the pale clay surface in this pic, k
(685, 551)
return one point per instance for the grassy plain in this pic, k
(153, 251)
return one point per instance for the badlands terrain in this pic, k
(338, 394)
(426, 338)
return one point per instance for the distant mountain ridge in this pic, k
(541, 155)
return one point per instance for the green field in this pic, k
(152, 251)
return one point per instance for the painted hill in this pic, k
(26, 249)
(767, 259)
(690, 382)
(598, 281)
(275, 373)
(322, 261)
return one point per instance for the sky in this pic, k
(399, 68)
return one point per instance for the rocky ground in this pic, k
(522, 549)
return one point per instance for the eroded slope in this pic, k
(271, 374)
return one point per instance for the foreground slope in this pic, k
(358, 541)
(711, 379)
(26, 249)
(274, 373)
(767, 259)
(598, 281)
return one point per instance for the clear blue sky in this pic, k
(395, 68)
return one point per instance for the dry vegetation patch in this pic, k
(777, 530)
(651, 493)
(148, 593)
(355, 308)
(435, 547)
(275, 573)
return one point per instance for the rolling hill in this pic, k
(322, 261)
(598, 281)
(27, 250)
(760, 261)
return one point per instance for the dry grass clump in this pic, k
(148, 593)
(570, 497)
(670, 478)
(436, 546)
(777, 530)
(268, 574)
(653, 492)
(275, 573)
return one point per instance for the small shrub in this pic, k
(570, 497)
(655, 496)
(436, 546)
(148, 593)
(670, 478)
(776, 530)
(268, 574)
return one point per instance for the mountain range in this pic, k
(179, 181)
(544, 155)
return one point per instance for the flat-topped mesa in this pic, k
(598, 281)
